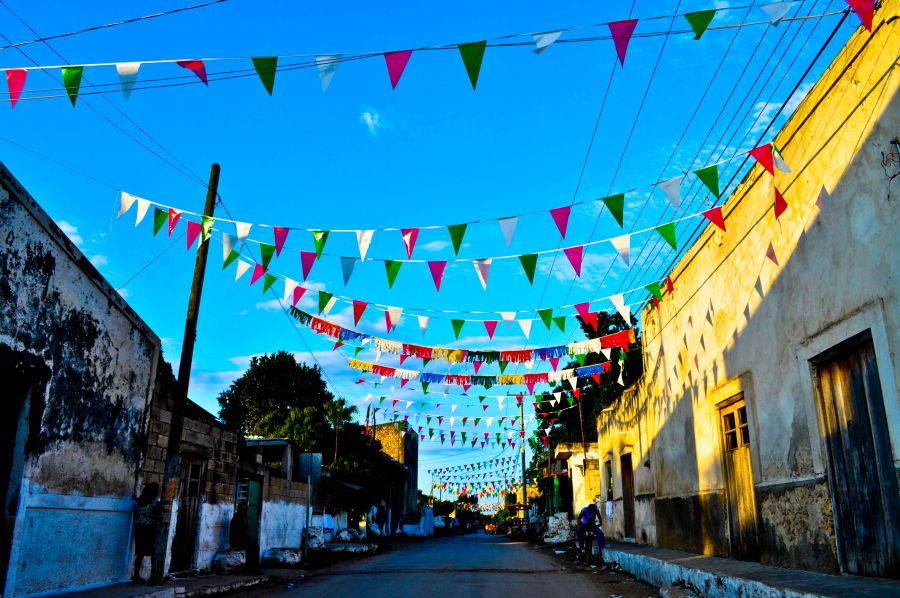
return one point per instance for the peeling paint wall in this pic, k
(738, 324)
(83, 440)
(281, 525)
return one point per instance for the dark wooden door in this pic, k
(628, 494)
(739, 489)
(861, 471)
(185, 541)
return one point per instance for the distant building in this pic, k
(402, 444)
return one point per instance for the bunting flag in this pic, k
(242, 268)
(242, 230)
(363, 238)
(529, 262)
(472, 55)
(324, 299)
(763, 155)
(864, 9)
(667, 232)
(490, 326)
(770, 253)
(268, 281)
(482, 269)
(265, 68)
(195, 66)
(670, 288)
(542, 41)
(561, 218)
(822, 198)
(296, 295)
(258, 272)
(307, 259)
(15, 81)
(127, 72)
(327, 65)
(561, 324)
(457, 231)
(142, 206)
(623, 247)
(394, 313)
(778, 159)
(193, 231)
(289, 286)
(776, 11)
(655, 290)
(508, 228)
(457, 327)
(621, 33)
(347, 266)
(266, 252)
(423, 324)
(714, 215)
(437, 272)
(616, 206)
(72, 80)
(525, 325)
(396, 64)
(319, 239)
(546, 316)
(699, 21)
(672, 189)
(508, 317)
(575, 255)
(173, 216)
(410, 235)
(780, 204)
(392, 267)
(625, 311)
(280, 237)
(125, 202)
(710, 177)
(206, 224)
(228, 253)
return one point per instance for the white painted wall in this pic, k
(281, 525)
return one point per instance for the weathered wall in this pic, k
(281, 524)
(83, 434)
(737, 323)
(404, 447)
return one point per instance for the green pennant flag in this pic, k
(319, 238)
(699, 21)
(616, 206)
(442, 439)
(581, 357)
(425, 361)
(710, 178)
(428, 420)
(425, 388)
(357, 351)
(72, 80)
(503, 365)
(266, 251)
(654, 289)
(498, 436)
(268, 281)
(230, 259)
(392, 267)
(472, 55)
(546, 316)
(560, 322)
(265, 67)
(430, 433)
(477, 419)
(667, 231)
(206, 224)
(529, 262)
(464, 436)
(571, 400)
(457, 327)
(457, 231)
(324, 298)
(553, 384)
(481, 399)
(381, 400)
(159, 219)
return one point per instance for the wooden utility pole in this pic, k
(176, 427)
(524, 480)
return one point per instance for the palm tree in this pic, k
(338, 413)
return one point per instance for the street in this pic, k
(466, 566)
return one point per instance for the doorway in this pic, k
(627, 494)
(185, 541)
(739, 489)
(861, 476)
(249, 490)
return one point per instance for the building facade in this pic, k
(402, 444)
(766, 425)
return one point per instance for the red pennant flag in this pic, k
(763, 155)
(387, 320)
(490, 326)
(577, 393)
(530, 387)
(519, 401)
(583, 308)
(770, 253)
(195, 66)
(780, 204)
(409, 239)
(561, 218)
(193, 231)
(396, 64)
(484, 407)
(466, 388)
(591, 320)
(337, 345)
(535, 404)
(403, 382)
(403, 358)
(596, 378)
(298, 292)
(575, 255)
(554, 361)
(437, 273)
(15, 80)
(714, 215)
(358, 308)
(670, 288)
(477, 365)
(864, 9)
(280, 237)
(307, 259)
(394, 402)
(621, 32)
(655, 301)
(174, 215)
(258, 271)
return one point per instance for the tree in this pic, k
(338, 413)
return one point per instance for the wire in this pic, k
(148, 264)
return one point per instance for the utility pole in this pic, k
(176, 427)
(524, 480)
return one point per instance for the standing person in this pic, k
(588, 520)
(147, 516)
(239, 537)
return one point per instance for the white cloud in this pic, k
(373, 120)
(594, 267)
(99, 260)
(798, 97)
(71, 232)
(436, 245)
(270, 305)
(124, 293)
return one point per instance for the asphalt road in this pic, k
(467, 567)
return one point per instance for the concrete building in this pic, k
(402, 445)
(78, 368)
(767, 426)
(583, 473)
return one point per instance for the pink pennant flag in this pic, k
(387, 320)
(530, 387)
(307, 259)
(195, 66)
(258, 272)
(583, 308)
(490, 326)
(174, 215)
(193, 231)
(437, 273)
(561, 218)
(575, 255)
(621, 33)
(770, 253)
(714, 215)
(358, 308)
(396, 63)
(864, 9)
(15, 79)
(780, 204)
(763, 155)
(554, 362)
(403, 382)
(409, 239)
(280, 237)
(298, 292)
(477, 365)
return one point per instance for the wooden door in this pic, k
(185, 541)
(739, 489)
(860, 462)
(628, 494)
(249, 492)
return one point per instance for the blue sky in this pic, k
(361, 156)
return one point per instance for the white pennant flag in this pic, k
(500, 401)
(423, 323)
(778, 159)
(529, 364)
(624, 310)
(489, 421)
(395, 313)
(126, 203)
(226, 246)
(558, 395)
(623, 246)
(408, 405)
(127, 76)
(143, 206)
(508, 228)
(452, 420)
(508, 317)
(620, 381)
(607, 353)
(377, 359)
(327, 64)
(672, 189)
(525, 325)
(243, 230)
(776, 11)
(453, 409)
(363, 238)
(242, 268)
(289, 286)
(482, 268)
(542, 41)
(329, 305)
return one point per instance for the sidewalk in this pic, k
(721, 577)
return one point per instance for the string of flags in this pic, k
(471, 54)
(499, 461)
